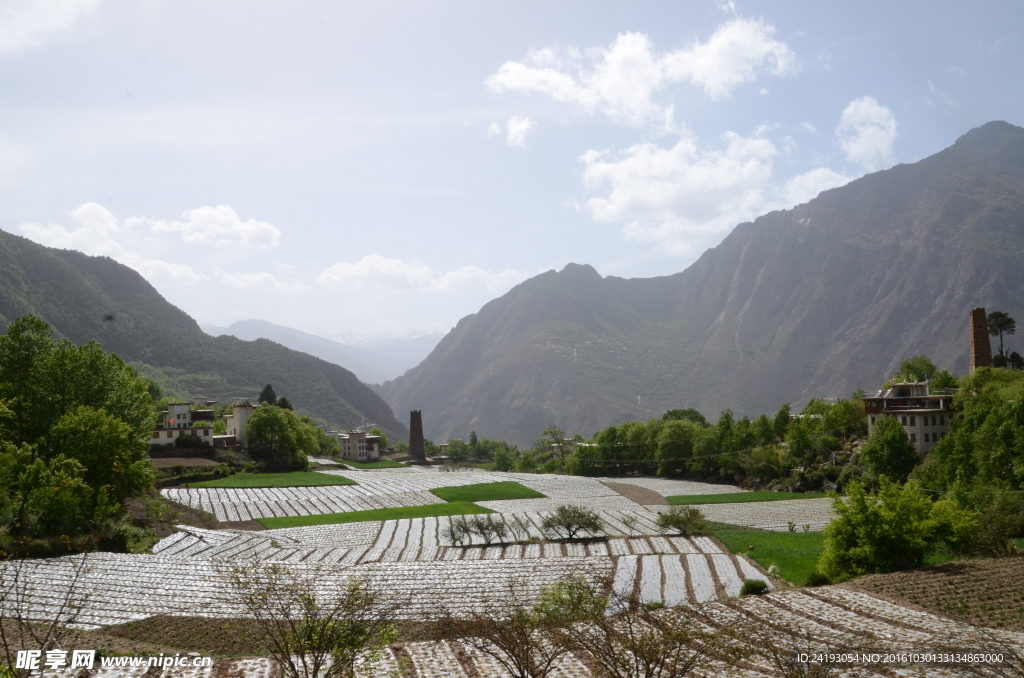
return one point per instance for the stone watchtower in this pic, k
(416, 451)
(981, 350)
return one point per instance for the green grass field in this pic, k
(384, 463)
(795, 553)
(296, 479)
(487, 492)
(457, 508)
(739, 497)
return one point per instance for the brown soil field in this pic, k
(640, 495)
(217, 637)
(987, 592)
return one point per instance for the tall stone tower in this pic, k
(981, 349)
(416, 451)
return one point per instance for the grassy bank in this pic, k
(487, 492)
(457, 508)
(296, 479)
(740, 497)
(794, 553)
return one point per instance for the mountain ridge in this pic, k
(817, 300)
(84, 298)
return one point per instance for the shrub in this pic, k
(888, 451)
(754, 587)
(817, 579)
(685, 520)
(893, 530)
(571, 520)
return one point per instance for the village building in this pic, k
(234, 433)
(180, 419)
(358, 445)
(925, 416)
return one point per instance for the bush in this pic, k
(893, 530)
(189, 440)
(754, 587)
(817, 579)
(685, 520)
(571, 520)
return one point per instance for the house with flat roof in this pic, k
(924, 415)
(180, 419)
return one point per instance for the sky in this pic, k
(384, 169)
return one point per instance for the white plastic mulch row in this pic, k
(828, 625)
(682, 579)
(773, 515)
(420, 539)
(123, 587)
(231, 504)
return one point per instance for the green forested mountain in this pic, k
(85, 298)
(818, 300)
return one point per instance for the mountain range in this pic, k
(84, 297)
(390, 357)
(818, 300)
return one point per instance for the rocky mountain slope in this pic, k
(85, 298)
(814, 301)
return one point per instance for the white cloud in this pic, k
(809, 128)
(866, 133)
(494, 129)
(622, 78)
(97, 234)
(518, 127)
(805, 187)
(27, 23)
(219, 226)
(682, 197)
(257, 282)
(376, 272)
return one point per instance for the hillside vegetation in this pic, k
(814, 301)
(95, 298)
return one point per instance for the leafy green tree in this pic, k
(1000, 323)
(106, 447)
(503, 460)
(763, 430)
(376, 431)
(781, 422)
(326, 445)
(284, 403)
(267, 396)
(986, 443)
(556, 438)
(688, 414)
(918, 368)
(279, 440)
(473, 440)
(889, 452)
(457, 451)
(894, 530)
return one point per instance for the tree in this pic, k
(688, 414)
(473, 440)
(888, 452)
(570, 520)
(893, 530)
(376, 431)
(684, 520)
(311, 635)
(556, 437)
(503, 460)
(627, 638)
(918, 368)
(267, 396)
(279, 440)
(1000, 323)
(524, 639)
(781, 422)
(284, 403)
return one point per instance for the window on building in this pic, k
(913, 421)
(156, 434)
(942, 420)
(927, 437)
(872, 420)
(903, 420)
(913, 437)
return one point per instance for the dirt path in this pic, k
(641, 495)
